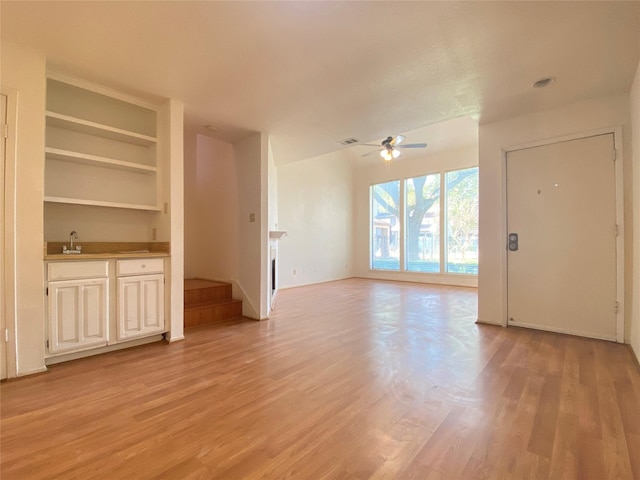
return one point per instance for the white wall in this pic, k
(89, 222)
(272, 212)
(634, 328)
(190, 142)
(315, 207)
(211, 210)
(273, 190)
(24, 71)
(496, 138)
(251, 156)
(365, 176)
(172, 191)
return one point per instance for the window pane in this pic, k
(385, 226)
(462, 221)
(422, 210)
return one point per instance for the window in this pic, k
(422, 221)
(385, 226)
(419, 234)
(462, 221)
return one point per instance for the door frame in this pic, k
(9, 273)
(619, 186)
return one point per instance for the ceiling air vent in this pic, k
(349, 141)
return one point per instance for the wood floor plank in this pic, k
(355, 379)
(545, 421)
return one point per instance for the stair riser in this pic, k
(202, 295)
(212, 314)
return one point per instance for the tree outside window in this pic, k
(423, 223)
(462, 221)
(385, 226)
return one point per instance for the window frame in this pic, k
(400, 230)
(402, 220)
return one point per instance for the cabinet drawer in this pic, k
(139, 266)
(75, 270)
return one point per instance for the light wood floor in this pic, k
(353, 379)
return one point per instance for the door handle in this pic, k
(513, 242)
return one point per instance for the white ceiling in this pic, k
(313, 73)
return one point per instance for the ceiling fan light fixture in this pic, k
(389, 148)
(389, 154)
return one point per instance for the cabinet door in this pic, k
(78, 311)
(140, 306)
(153, 303)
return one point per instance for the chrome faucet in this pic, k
(72, 235)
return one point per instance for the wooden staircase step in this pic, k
(210, 303)
(207, 302)
(199, 291)
(207, 314)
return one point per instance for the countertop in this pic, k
(97, 256)
(107, 250)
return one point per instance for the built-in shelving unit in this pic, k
(107, 179)
(100, 148)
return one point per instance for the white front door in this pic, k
(561, 204)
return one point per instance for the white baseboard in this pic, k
(544, 328)
(32, 371)
(483, 322)
(97, 351)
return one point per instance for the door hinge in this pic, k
(5, 130)
(46, 291)
(615, 155)
(6, 335)
(47, 343)
(617, 308)
(617, 230)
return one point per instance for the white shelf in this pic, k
(98, 203)
(92, 128)
(84, 158)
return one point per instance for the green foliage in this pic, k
(462, 188)
(462, 212)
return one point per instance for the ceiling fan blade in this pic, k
(368, 145)
(370, 153)
(397, 140)
(413, 145)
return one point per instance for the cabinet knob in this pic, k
(143, 266)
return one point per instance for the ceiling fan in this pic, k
(390, 146)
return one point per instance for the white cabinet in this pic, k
(78, 308)
(140, 298)
(140, 306)
(98, 303)
(100, 147)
